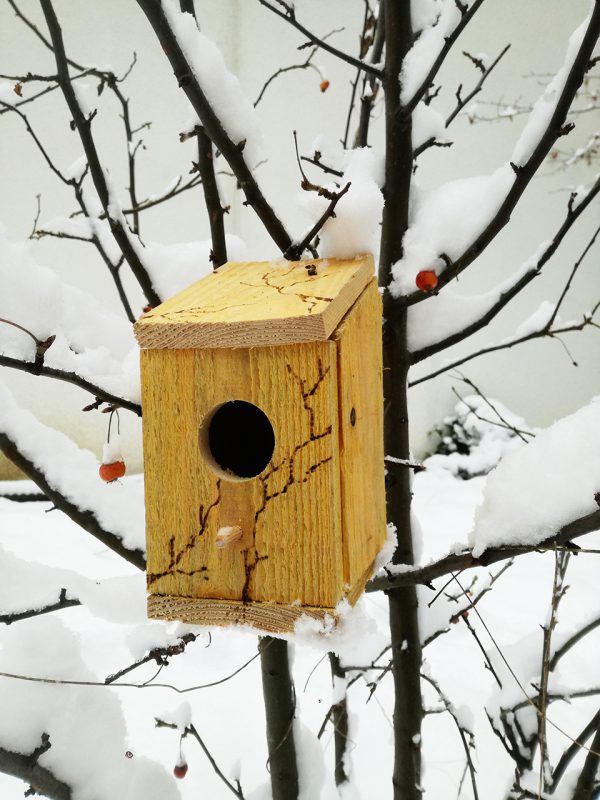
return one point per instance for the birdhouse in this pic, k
(263, 443)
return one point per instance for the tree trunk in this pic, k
(280, 709)
(404, 627)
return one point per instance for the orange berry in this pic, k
(426, 280)
(324, 85)
(110, 472)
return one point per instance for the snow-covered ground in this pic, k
(229, 716)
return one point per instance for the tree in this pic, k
(401, 58)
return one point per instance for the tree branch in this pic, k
(85, 518)
(467, 16)
(525, 172)
(26, 767)
(280, 709)
(232, 152)
(83, 126)
(457, 562)
(70, 377)
(62, 602)
(288, 14)
(573, 213)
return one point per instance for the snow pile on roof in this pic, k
(539, 488)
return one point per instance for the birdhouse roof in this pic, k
(246, 304)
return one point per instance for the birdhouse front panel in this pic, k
(263, 458)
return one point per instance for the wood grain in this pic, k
(360, 370)
(268, 617)
(291, 548)
(247, 304)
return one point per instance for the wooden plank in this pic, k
(268, 617)
(290, 549)
(258, 303)
(360, 372)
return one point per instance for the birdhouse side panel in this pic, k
(360, 370)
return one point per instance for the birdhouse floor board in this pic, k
(268, 617)
(258, 304)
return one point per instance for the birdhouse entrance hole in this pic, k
(237, 439)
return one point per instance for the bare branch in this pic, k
(288, 14)
(485, 73)
(370, 87)
(206, 169)
(294, 252)
(160, 655)
(544, 332)
(191, 730)
(573, 749)
(83, 126)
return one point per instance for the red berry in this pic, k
(110, 472)
(426, 280)
(147, 309)
(180, 770)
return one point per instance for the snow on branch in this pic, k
(68, 741)
(68, 476)
(467, 214)
(452, 317)
(539, 497)
(83, 343)
(429, 52)
(202, 75)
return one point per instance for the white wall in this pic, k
(537, 381)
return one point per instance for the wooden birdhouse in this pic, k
(263, 442)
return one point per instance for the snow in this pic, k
(542, 112)
(111, 451)
(118, 507)
(449, 312)
(446, 220)
(427, 123)
(536, 490)
(91, 341)
(173, 267)
(423, 53)
(355, 229)
(483, 427)
(229, 716)
(75, 718)
(424, 13)
(537, 321)
(221, 87)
